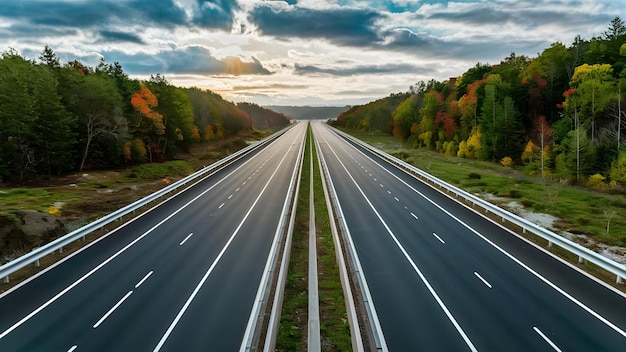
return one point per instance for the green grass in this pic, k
(31, 199)
(581, 210)
(161, 170)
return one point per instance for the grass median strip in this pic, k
(334, 327)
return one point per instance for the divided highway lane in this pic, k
(439, 285)
(181, 277)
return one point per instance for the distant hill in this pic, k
(263, 118)
(309, 112)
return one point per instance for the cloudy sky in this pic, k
(298, 52)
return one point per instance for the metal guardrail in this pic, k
(36, 254)
(351, 311)
(258, 318)
(373, 330)
(583, 253)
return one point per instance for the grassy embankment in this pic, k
(334, 327)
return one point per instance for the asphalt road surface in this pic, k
(182, 277)
(443, 278)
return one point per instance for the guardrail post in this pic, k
(580, 260)
(549, 244)
(619, 280)
(37, 263)
(60, 250)
(6, 279)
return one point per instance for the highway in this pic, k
(181, 277)
(443, 278)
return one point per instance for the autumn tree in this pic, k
(542, 136)
(406, 115)
(148, 123)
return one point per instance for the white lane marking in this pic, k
(415, 216)
(396, 198)
(552, 344)
(244, 183)
(144, 279)
(249, 177)
(72, 349)
(84, 277)
(375, 179)
(119, 303)
(230, 196)
(439, 238)
(221, 205)
(405, 207)
(510, 256)
(381, 185)
(237, 190)
(389, 192)
(443, 307)
(185, 240)
(370, 175)
(482, 279)
(182, 311)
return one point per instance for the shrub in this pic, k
(596, 182)
(473, 176)
(506, 161)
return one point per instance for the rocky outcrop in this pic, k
(22, 230)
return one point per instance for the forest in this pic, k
(558, 115)
(56, 119)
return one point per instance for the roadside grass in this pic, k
(292, 332)
(161, 170)
(33, 199)
(580, 210)
(334, 326)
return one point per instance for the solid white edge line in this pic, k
(432, 291)
(84, 277)
(274, 318)
(357, 341)
(529, 269)
(415, 216)
(221, 205)
(73, 348)
(396, 198)
(119, 303)
(230, 196)
(482, 279)
(185, 240)
(552, 344)
(217, 259)
(144, 279)
(439, 238)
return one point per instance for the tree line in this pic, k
(56, 119)
(558, 115)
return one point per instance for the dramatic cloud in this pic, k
(342, 26)
(190, 60)
(298, 51)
